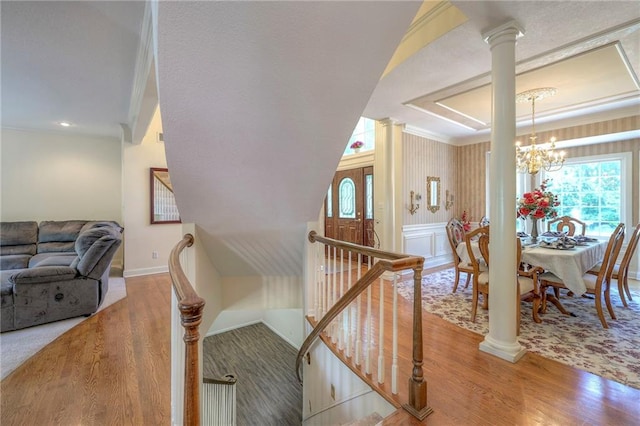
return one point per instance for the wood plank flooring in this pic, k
(267, 392)
(111, 369)
(114, 369)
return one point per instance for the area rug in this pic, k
(578, 341)
(18, 346)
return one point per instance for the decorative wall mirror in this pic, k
(433, 193)
(163, 202)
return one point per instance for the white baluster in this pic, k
(341, 318)
(394, 356)
(332, 327)
(381, 335)
(359, 317)
(369, 347)
(349, 312)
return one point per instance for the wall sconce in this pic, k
(413, 208)
(448, 200)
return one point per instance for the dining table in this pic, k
(567, 264)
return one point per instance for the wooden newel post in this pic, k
(191, 317)
(417, 405)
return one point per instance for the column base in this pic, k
(508, 352)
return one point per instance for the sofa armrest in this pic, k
(43, 275)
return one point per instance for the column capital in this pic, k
(390, 122)
(506, 28)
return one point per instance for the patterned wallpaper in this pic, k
(421, 158)
(462, 168)
(472, 158)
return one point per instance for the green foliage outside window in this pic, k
(590, 192)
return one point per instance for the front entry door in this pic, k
(345, 206)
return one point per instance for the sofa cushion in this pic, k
(52, 259)
(43, 275)
(101, 224)
(29, 249)
(14, 261)
(57, 247)
(58, 231)
(18, 233)
(95, 248)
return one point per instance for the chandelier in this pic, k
(533, 158)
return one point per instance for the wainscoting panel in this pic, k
(428, 240)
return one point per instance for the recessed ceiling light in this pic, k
(65, 124)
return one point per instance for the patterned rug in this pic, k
(578, 341)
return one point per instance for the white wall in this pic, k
(142, 238)
(353, 398)
(55, 176)
(58, 176)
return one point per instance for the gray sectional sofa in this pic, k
(55, 270)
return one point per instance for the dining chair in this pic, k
(621, 270)
(598, 285)
(480, 273)
(455, 234)
(526, 280)
(570, 223)
(484, 221)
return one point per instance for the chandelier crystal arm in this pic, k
(534, 158)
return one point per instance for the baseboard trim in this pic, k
(233, 327)
(145, 271)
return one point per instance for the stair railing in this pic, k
(332, 297)
(190, 306)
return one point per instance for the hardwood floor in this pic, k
(113, 369)
(267, 391)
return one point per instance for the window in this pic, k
(595, 190)
(365, 131)
(347, 199)
(329, 202)
(369, 196)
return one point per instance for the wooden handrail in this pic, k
(190, 306)
(387, 261)
(227, 379)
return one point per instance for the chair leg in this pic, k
(623, 288)
(466, 285)
(607, 299)
(626, 287)
(518, 313)
(474, 303)
(543, 300)
(599, 310)
(536, 308)
(551, 298)
(455, 283)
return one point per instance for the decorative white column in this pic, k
(387, 186)
(502, 339)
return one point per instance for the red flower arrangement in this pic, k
(538, 204)
(357, 144)
(466, 225)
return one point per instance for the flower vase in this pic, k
(534, 230)
(356, 150)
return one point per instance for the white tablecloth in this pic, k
(568, 265)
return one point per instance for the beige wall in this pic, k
(55, 176)
(142, 238)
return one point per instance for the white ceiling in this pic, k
(69, 61)
(456, 68)
(75, 61)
